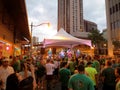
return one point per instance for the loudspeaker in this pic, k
(42, 51)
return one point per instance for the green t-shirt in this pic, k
(109, 76)
(72, 66)
(80, 82)
(16, 66)
(96, 65)
(64, 76)
(91, 72)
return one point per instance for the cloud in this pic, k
(40, 11)
(95, 11)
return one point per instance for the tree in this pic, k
(97, 39)
(116, 44)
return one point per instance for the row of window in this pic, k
(115, 25)
(115, 8)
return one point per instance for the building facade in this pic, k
(70, 15)
(113, 18)
(88, 26)
(13, 26)
(70, 18)
(113, 23)
(35, 40)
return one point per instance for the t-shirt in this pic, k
(71, 66)
(96, 65)
(16, 66)
(49, 68)
(80, 82)
(22, 73)
(64, 76)
(109, 76)
(91, 72)
(4, 73)
(40, 72)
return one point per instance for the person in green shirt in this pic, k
(16, 64)
(96, 65)
(64, 74)
(92, 74)
(72, 65)
(80, 81)
(108, 76)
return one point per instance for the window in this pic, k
(118, 23)
(116, 7)
(119, 5)
(110, 11)
(111, 25)
(113, 9)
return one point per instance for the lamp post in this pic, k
(32, 25)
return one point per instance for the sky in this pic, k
(44, 11)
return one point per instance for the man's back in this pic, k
(91, 73)
(80, 82)
(64, 75)
(49, 68)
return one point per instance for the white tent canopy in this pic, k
(62, 38)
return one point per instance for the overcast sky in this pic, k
(41, 11)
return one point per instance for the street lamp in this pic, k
(32, 31)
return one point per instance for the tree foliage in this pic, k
(116, 44)
(96, 37)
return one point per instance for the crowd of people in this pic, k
(82, 73)
(17, 74)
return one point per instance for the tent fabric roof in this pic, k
(62, 38)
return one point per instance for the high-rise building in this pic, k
(88, 26)
(113, 18)
(113, 23)
(70, 15)
(35, 40)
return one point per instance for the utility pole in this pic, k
(31, 43)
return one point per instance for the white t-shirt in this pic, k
(4, 73)
(22, 74)
(49, 68)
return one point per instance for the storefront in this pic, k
(13, 26)
(6, 49)
(17, 51)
